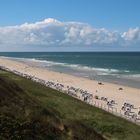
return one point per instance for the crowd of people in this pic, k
(81, 94)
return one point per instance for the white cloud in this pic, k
(132, 34)
(51, 32)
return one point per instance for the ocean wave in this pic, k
(102, 71)
(131, 76)
(77, 66)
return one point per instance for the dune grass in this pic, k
(56, 115)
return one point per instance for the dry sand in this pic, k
(111, 91)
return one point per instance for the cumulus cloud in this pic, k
(51, 32)
(132, 34)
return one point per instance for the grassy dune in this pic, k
(29, 110)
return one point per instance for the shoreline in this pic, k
(120, 94)
(130, 80)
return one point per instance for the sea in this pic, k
(115, 67)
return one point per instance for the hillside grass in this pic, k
(33, 111)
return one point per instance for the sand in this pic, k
(109, 90)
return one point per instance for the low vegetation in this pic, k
(29, 110)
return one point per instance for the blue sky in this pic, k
(113, 15)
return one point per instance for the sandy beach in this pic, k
(108, 90)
